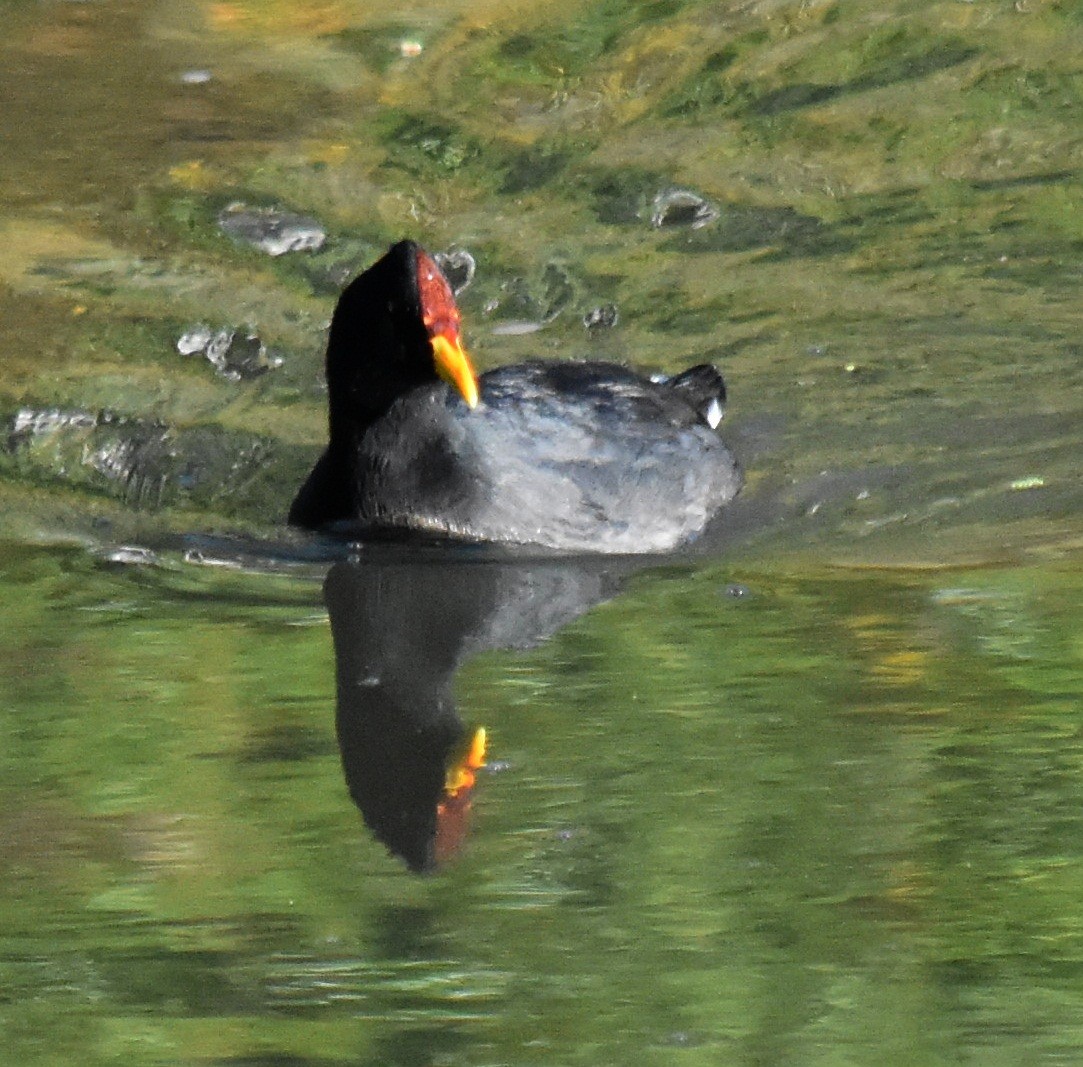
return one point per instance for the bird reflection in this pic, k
(401, 629)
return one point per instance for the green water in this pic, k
(810, 797)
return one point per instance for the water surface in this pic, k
(808, 794)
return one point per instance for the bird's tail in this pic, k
(702, 387)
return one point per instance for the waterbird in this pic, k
(564, 455)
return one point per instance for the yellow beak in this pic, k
(460, 773)
(453, 365)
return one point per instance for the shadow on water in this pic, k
(405, 618)
(401, 630)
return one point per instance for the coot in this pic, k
(573, 456)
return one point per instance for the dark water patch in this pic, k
(623, 195)
(1023, 181)
(890, 209)
(670, 313)
(247, 109)
(534, 168)
(570, 47)
(1009, 251)
(409, 1045)
(887, 57)
(181, 983)
(1026, 264)
(288, 743)
(424, 147)
(706, 90)
(790, 98)
(741, 229)
(1026, 88)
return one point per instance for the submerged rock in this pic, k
(525, 306)
(236, 356)
(682, 207)
(29, 423)
(194, 341)
(603, 317)
(270, 230)
(233, 354)
(129, 556)
(458, 266)
(137, 456)
(148, 464)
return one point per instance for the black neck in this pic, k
(378, 348)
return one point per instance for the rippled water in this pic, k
(807, 794)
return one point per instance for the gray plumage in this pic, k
(581, 457)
